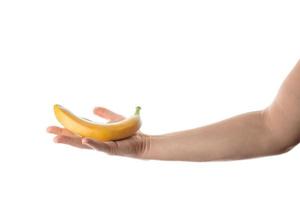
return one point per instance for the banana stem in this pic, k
(137, 110)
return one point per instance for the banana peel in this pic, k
(98, 131)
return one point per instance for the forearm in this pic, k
(273, 130)
(239, 137)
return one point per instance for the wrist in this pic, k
(151, 144)
(157, 147)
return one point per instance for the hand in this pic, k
(135, 146)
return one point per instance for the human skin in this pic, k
(270, 131)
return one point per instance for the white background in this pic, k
(186, 63)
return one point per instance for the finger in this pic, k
(100, 146)
(75, 142)
(60, 131)
(107, 114)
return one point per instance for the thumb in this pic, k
(107, 114)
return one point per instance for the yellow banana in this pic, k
(102, 132)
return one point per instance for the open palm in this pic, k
(134, 146)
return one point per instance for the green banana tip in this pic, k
(137, 110)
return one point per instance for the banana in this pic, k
(98, 131)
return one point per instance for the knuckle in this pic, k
(112, 148)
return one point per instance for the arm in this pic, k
(283, 115)
(270, 131)
(240, 137)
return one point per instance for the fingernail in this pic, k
(57, 139)
(85, 140)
